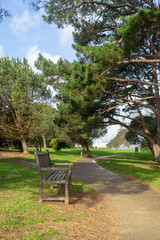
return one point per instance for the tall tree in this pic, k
(134, 27)
(20, 87)
(77, 117)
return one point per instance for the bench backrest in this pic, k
(42, 161)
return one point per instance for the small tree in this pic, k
(56, 144)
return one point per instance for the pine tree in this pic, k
(20, 87)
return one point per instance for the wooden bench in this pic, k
(56, 175)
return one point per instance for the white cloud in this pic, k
(25, 22)
(65, 35)
(33, 53)
(1, 51)
(48, 56)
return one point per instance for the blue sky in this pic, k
(25, 34)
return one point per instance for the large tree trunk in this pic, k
(156, 150)
(44, 140)
(24, 145)
(20, 131)
(156, 146)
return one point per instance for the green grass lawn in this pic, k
(65, 155)
(140, 166)
(129, 154)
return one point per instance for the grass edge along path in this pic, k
(143, 171)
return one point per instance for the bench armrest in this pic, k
(64, 164)
(49, 169)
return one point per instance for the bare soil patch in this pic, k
(6, 154)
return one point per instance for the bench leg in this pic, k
(70, 182)
(66, 189)
(41, 192)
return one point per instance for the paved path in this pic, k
(135, 207)
(13, 159)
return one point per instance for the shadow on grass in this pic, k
(14, 176)
(130, 154)
(144, 171)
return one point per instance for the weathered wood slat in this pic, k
(55, 176)
(53, 198)
(61, 175)
(48, 176)
(62, 181)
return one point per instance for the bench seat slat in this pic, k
(51, 176)
(48, 176)
(55, 176)
(61, 175)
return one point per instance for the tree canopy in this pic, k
(131, 32)
(93, 21)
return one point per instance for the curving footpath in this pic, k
(134, 206)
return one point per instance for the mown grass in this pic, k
(65, 155)
(139, 166)
(129, 154)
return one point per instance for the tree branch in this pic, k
(124, 103)
(133, 80)
(153, 46)
(111, 27)
(145, 73)
(140, 61)
(124, 116)
(145, 135)
(112, 6)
